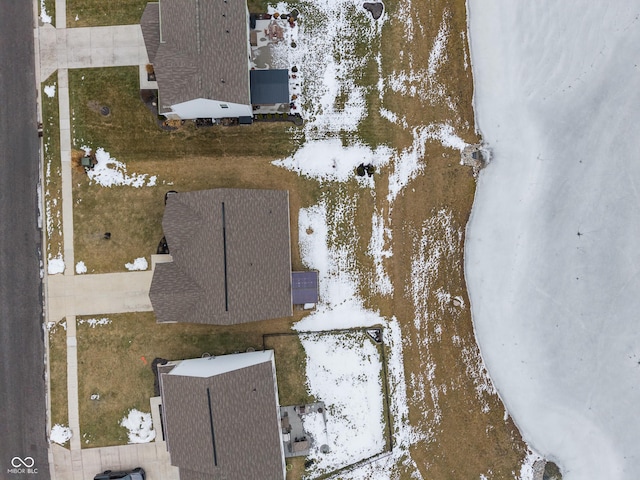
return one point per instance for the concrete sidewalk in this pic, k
(68, 295)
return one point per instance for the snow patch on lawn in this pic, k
(55, 265)
(44, 17)
(341, 307)
(438, 54)
(60, 434)
(50, 90)
(380, 237)
(109, 172)
(328, 63)
(94, 322)
(140, 426)
(138, 264)
(343, 370)
(52, 326)
(329, 159)
(81, 268)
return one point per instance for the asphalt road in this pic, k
(23, 443)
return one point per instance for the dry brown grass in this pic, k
(131, 133)
(58, 375)
(291, 363)
(469, 439)
(134, 216)
(111, 363)
(297, 468)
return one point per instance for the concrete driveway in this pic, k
(63, 48)
(86, 463)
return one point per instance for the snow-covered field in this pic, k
(551, 255)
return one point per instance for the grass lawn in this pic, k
(58, 375)
(114, 361)
(96, 13)
(291, 363)
(295, 468)
(184, 160)
(131, 132)
(469, 435)
(52, 169)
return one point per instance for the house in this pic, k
(221, 417)
(230, 253)
(201, 54)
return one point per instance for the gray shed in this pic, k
(304, 287)
(269, 87)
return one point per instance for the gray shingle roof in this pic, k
(224, 426)
(202, 43)
(150, 25)
(231, 258)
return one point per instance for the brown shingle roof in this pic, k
(224, 426)
(231, 258)
(201, 43)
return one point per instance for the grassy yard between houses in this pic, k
(52, 169)
(114, 361)
(291, 363)
(58, 375)
(463, 429)
(184, 160)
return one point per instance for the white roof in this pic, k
(210, 366)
